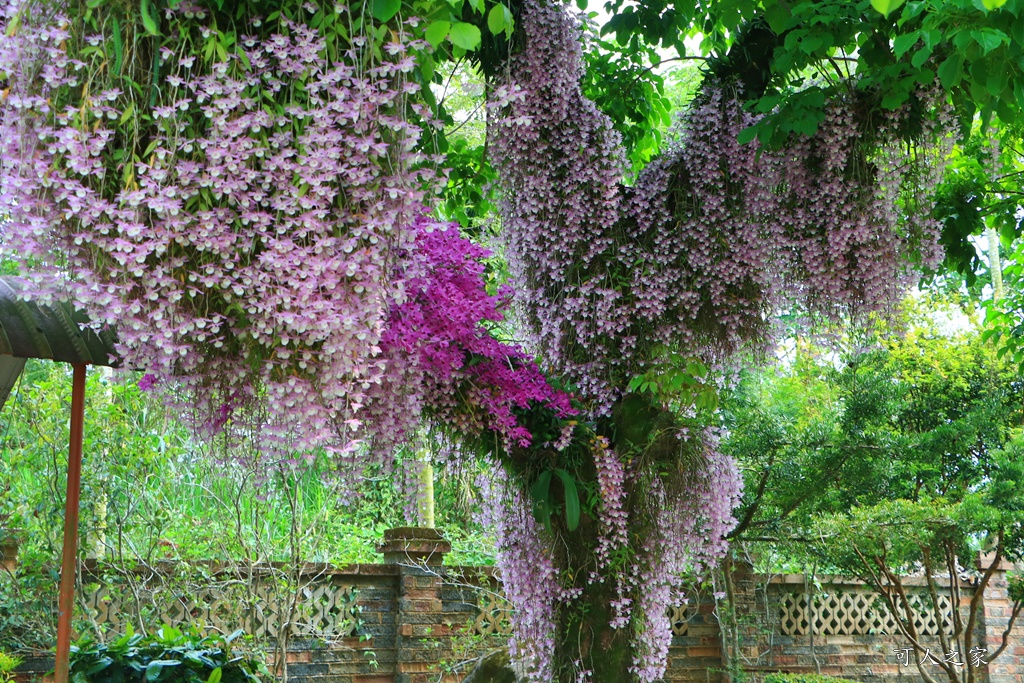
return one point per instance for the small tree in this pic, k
(900, 466)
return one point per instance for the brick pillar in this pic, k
(751, 626)
(421, 637)
(996, 609)
(9, 543)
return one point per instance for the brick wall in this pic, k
(1008, 667)
(421, 622)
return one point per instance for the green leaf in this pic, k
(148, 22)
(696, 369)
(156, 667)
(886, 6)
(895, 98)
(988, 38)
(437, 32)
(993, 4)
(97, 666)
(932, 37)
(13, 24)
(902, 44)
(747, 135)
(496, 19)
(215, 676)
(465, 36)
(572, 500)
(128, 112)
(541, 503)
(118, 46)
(384, 10)
(951, 71)
(921, 56)
(779, 17)
(996, 82)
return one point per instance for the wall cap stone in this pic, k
(417, 545)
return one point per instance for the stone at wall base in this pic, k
(492, 668)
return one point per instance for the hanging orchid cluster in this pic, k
(714, 238)
(530, 579)
(250, 215)
(439, 351)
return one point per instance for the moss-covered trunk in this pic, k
(586, 641)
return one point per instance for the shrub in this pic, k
(803, 678)
(8, 664)
(168, 656)
(1015, 587)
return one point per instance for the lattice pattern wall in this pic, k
(679, 616)
(857, 612)
(323, 610)
(494, 615)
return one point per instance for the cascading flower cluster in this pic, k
(687, 537)
(562, 163)
(611, 482)
(714, 237)
(247, 248)
(439, 350)
(820, 222)
(258, 232)
(529, 576)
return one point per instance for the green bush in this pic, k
(168, 656)
(804, 678)
(1015, 589)
(8, 664)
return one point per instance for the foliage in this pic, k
(1016, 587)
(904, 460)
(167, 656)
(1000, 207)
(28, 601)
(981, 191)
(802, 678)
(915, 417)
(142, 463)
(800, 51)
(8, 664)
(153, 494)
(623, 82)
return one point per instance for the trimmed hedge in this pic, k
(167, 656)
(803, 678)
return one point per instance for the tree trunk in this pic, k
(585, 639)
(588, 639)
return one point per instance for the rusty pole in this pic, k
(69, 561)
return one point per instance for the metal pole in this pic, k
(69, 562)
